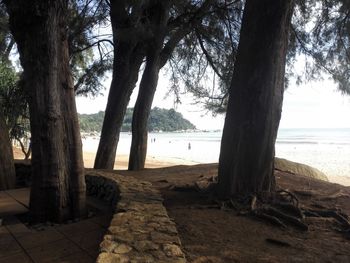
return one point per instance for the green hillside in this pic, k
(160, 120)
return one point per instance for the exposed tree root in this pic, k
(281, 208)
(277, 242)
(291, 220)
(271, 219)
(337, 215)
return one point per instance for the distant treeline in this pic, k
(159, 120)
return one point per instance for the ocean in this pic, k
(325, 149)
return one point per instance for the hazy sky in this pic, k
(313, 105)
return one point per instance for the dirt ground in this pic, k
(211, 234)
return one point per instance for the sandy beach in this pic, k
(151, 161)
(158, 162)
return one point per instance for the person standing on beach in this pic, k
(189, 146)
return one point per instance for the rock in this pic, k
(172, 250)
(161, 238)
(108, 245)
(299, 168)
(122, 249)
(140, 230)
(145, 245)
(143, 259)
(112, 258)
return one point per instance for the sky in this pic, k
(312, 105)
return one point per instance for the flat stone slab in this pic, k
(74, 242)
(140, 230)
(21, 195)
(10, 206)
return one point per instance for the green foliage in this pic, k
(203, 61)
(89, 50)
(321, 32)
(6, 39)
(91, 122)
(13, 102)
(168, 120)
(159, 120)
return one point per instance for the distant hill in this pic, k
(159, 120)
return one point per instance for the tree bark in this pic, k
(148, 86)
(155, 60)
(128, 57)
(7, 167)
(58, 185)
(127, 62)
(246, 162)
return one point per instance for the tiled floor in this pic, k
(75, 242)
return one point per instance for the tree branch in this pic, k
(92, 44)
(207, 55)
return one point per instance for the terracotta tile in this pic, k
(93, 251)
(21, 195)
(17, 228)
(53, 251)
(80, 257)
(8, 245)
(103, 220)
(9, 206)
(39, 238)
(16, 258)
(78, 228)
(87, 240)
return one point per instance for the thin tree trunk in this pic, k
(58, 186)
(148, 85)
(246, 163)
(142, 111)
(7, 167)
(127, 62)
(128, 57)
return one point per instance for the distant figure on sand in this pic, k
(189, 146)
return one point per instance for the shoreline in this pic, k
(160, 162)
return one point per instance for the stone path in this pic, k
(141, 230)
(75, 242)
(138, 231)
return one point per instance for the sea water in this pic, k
(325, 149)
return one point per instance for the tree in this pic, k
(6, 40)
(58, 186)
(139, 40)
(166, 35)
(7, 81)
(154, 62)
(321, 32)
(246, 163)
(89, 50)
(7, 167)
(202, 64)
(129, 38)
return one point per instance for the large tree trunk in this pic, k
(128, 57)
(246, 163)
(142, 111)
(7, 167)
(58, 185)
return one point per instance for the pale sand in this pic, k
(151, 161)
(122, 160)
(158, 162)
